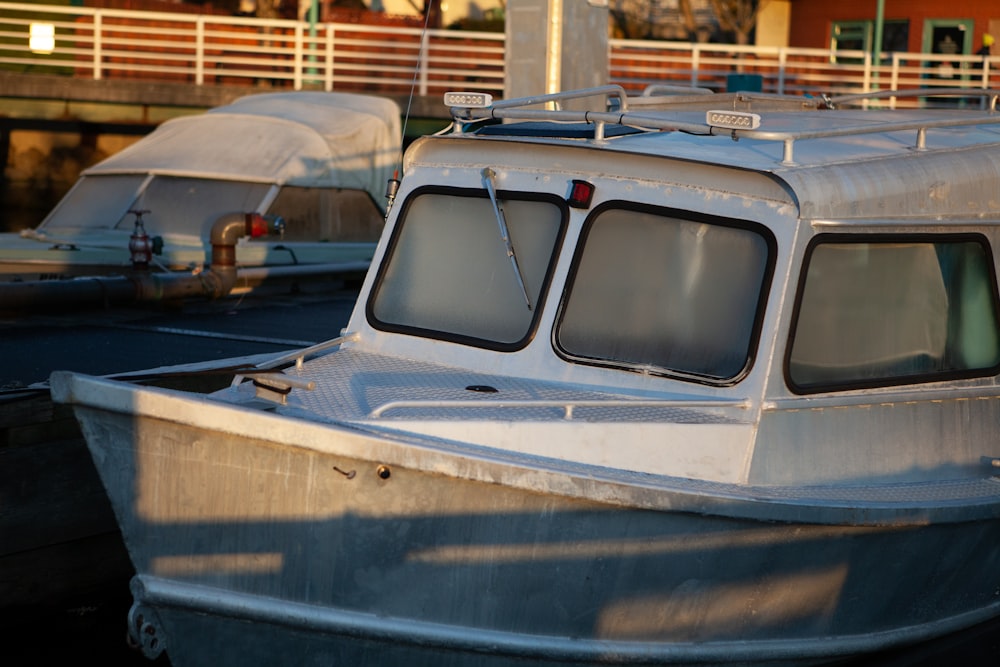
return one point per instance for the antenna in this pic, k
(393, 185)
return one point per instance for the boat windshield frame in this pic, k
(628, 333)
(114, 202)
(488, 312)
(179, 206)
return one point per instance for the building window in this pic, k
(860, 35)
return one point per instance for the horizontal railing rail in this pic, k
(636, 64)
(209, 49)
(206, 49)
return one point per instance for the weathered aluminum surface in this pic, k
(946, 500)
(364, 639)
(424, 560)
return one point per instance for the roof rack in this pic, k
(660, 112)
(989, 95)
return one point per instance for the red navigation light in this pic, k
(580, 194)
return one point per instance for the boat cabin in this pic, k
(794, 282)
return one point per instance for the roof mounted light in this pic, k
(733, 120)
(469, 100)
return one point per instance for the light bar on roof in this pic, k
(733, 120)
(469, 100)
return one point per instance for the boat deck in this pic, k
(441, 406)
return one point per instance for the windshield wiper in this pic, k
(504, 233)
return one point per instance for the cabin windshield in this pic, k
(892, 311)
(448, 274)
(662, 291)
(95, 202)
(176, 205)
(192, 205)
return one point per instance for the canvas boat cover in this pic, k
(307, 139)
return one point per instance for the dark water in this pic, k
(90, 631)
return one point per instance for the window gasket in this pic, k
(897, 381)
(686, 215)
(461, 339)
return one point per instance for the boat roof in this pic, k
(307, 139)
(838, 163)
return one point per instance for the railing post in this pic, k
(983, 104)
(297, 78)
(695, 64)
(199, 51)
(97, 45)
(782, 63)
(423, 56)
(866, 79)
(328, 60)
(894, 79)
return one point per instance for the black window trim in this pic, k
(470, 341)
(886, 237)
(687, 215)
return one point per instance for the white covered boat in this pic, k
(650, 386)
(309, 167)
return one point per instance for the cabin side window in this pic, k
(666, 292)
(448, 275)
(884, 311)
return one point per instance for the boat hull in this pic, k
(336, 545)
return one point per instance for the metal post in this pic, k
(199, 51)
(97, 46)
(782, 64)
(328, 76)
(297, 79)
(877, 39)
(422, 56)
(313, 16)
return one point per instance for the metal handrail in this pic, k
(567, 406)
(987, 94)
(513, 109)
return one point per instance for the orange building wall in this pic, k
(811, 20)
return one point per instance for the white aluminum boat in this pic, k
(654, 385)
(309, 167)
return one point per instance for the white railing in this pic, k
(636, 64)
(206, 49)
